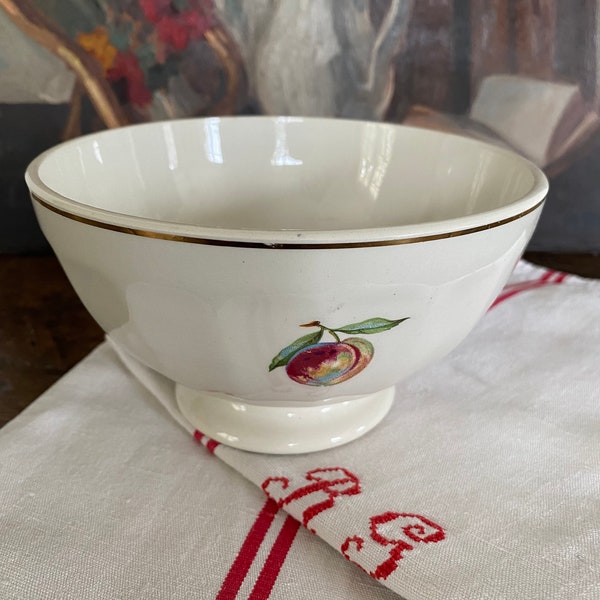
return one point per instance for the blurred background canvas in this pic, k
(520, 73)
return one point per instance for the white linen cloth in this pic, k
(482, 482)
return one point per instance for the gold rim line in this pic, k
(279, 246)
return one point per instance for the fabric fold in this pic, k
(486, 465)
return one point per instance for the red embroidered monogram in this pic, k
(325, 485)
(396, 533)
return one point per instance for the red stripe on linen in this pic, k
(560, 277)
(270, 571)
(210, 444)
(247, 553)
(548, 278)
(548, 275)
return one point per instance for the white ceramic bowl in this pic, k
(285, 272)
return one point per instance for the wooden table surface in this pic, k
(44, 329)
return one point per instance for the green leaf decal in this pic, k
(374, 325)
(284, 356)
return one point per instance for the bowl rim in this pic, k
(44, 196)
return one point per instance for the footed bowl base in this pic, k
(282, 429)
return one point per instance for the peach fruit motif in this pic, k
(310, 361)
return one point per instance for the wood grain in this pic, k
(44, 330)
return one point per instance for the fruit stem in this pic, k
(332, 332)
(323, 328)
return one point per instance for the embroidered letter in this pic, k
(396, 531)
(325, 485)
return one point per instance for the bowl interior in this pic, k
(283, 173)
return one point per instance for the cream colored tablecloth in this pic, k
(483, 481)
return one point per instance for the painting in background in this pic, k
(520, 73)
